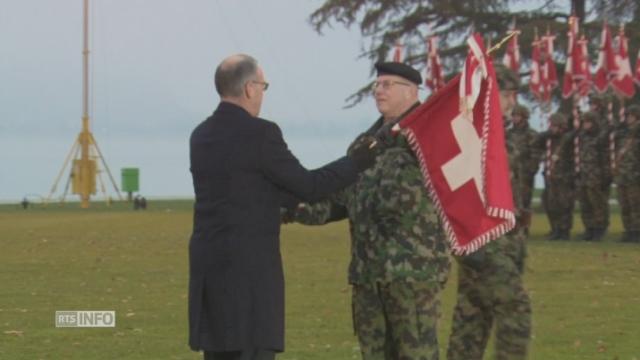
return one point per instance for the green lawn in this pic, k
(586, 296)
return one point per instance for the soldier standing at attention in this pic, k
(526, 158)
(490, 288)
(627, 174)
(593, 177)
(399, 253)
(558, 197)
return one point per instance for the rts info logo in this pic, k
(91, 318)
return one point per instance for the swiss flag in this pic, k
(535, 81)
(568, 87)
(637, 77)
(512, 56)
(548, 74)
(622, 82)
(397, 53)
(458, 137)
(433, 78)
(581, 74)
(607, 65)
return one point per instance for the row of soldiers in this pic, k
(580, 163)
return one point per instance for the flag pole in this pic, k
(612, 136)
(501, 42)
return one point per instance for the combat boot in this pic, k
(626, 236)
(563, 234)
(553, 234)
(598, 234)
(588, 234)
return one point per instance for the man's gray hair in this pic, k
(231, 76)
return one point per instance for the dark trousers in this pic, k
(255, 354)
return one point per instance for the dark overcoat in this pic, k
(242, 173)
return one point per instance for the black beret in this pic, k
(399, 69)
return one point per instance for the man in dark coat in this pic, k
(243, 173)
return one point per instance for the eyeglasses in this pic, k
(265, 85)
(387, 84)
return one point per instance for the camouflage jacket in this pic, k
(521, 146)
(395, 231)
(561, 167)
(628, 155)
(594, 158)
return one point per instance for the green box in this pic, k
(130, 179)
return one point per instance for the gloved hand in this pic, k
(363, 153)
(476, 260)
(384, 136)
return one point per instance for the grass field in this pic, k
(586, 296)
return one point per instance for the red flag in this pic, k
(607, 65)
(637, 78)
(458, 136)
(548, 72)
(535, 81)
(512, 56)
(568, 87)
(397, 53)
(622, 82)
(577, 77)
(433, 77)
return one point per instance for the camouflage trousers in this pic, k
(526, 189)
(488, 297)
(594, 206)
(558, 200)
(397, 320)
(629, 199)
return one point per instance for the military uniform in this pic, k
(558, 197)
(490, 287)
(521, 140)
(627, 174)
(593, 179)
(399, 255)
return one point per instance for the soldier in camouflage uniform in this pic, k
(593, 178)
(627, 174)
(599, 104)
(521, 138)
(399, 252)
(558, 197)
(490, 288)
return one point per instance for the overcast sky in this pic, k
(152, 66)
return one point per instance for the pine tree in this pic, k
(382, 23)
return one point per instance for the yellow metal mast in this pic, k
(86, 175)
(84, 169)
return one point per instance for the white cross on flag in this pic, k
(458, 136)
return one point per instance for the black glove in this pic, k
(384, 136)
(363, 153)
(476, 260)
